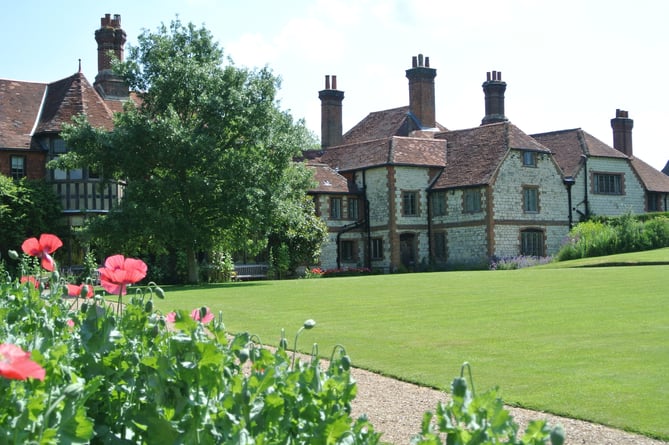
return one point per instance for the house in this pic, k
(399, 191)
(32, 115)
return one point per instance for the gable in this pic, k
(473, 155)
(20, 104)
(69, 97)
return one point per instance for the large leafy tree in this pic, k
(207, 155)
(27, 208)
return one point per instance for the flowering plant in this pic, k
(89, 370)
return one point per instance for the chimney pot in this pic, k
(622, 132)
(421, 91)
(331, 113)
(494, 89)
(414, 61)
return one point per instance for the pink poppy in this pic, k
(197, 315)
(75, 291)
(43, 248)
(30, 279)
(16, 364)
(171, 317)
(70, 322)
(119, 272)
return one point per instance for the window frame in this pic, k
(439, 203)
(336, 207)
(602, 185)
(529, 158)
(350, 253)
(377, 249)
(353, 208)
(469, 198)
(531, 199)
(440, 248)
(16, 173)
(537, 239)
(410, 201)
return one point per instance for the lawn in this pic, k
(589, 343)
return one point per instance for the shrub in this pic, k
(607, 236)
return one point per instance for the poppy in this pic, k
(76, 291)
(43, 248)
(15, 364)
(119, 272)
(30, 279)
(198, 315)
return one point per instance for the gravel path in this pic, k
(396, 409)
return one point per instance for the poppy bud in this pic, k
(13, 254)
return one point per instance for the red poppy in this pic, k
(75, 291)
(119, 272)
(30, 279)
(43, 248)
(196, 314)
(16, 364)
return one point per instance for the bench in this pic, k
(251, 272)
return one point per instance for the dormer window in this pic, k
(529, 159)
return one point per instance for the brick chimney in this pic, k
(622, 132)
(331, 113)
(110, 38)
(421, 91)
(494, 89)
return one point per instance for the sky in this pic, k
(567, 64)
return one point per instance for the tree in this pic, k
(205, 155)
(27, 208)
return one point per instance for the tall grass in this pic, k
(587, 343)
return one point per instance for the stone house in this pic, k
(32, 115)
(399, 191)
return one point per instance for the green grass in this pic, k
(589, 343)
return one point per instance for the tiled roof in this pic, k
(665, 170)
(387, 151)
(474, 155)
(20, 104)
(69, 97)
(329, 181)
(384, 124)
(653, 180)
(28, 108)
(569, 145)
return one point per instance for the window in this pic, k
(529, 159)
(472, 201)
(377, 248)
(440, 246)
(348, 250)
(410, 203)
(530, 199)
(335, 208)
(353, 208)
(608, 184)
(59, 146)
(439, 204)
(18, 167)
(532, 242)
(653, 202)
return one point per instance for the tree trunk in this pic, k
(193, 267)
